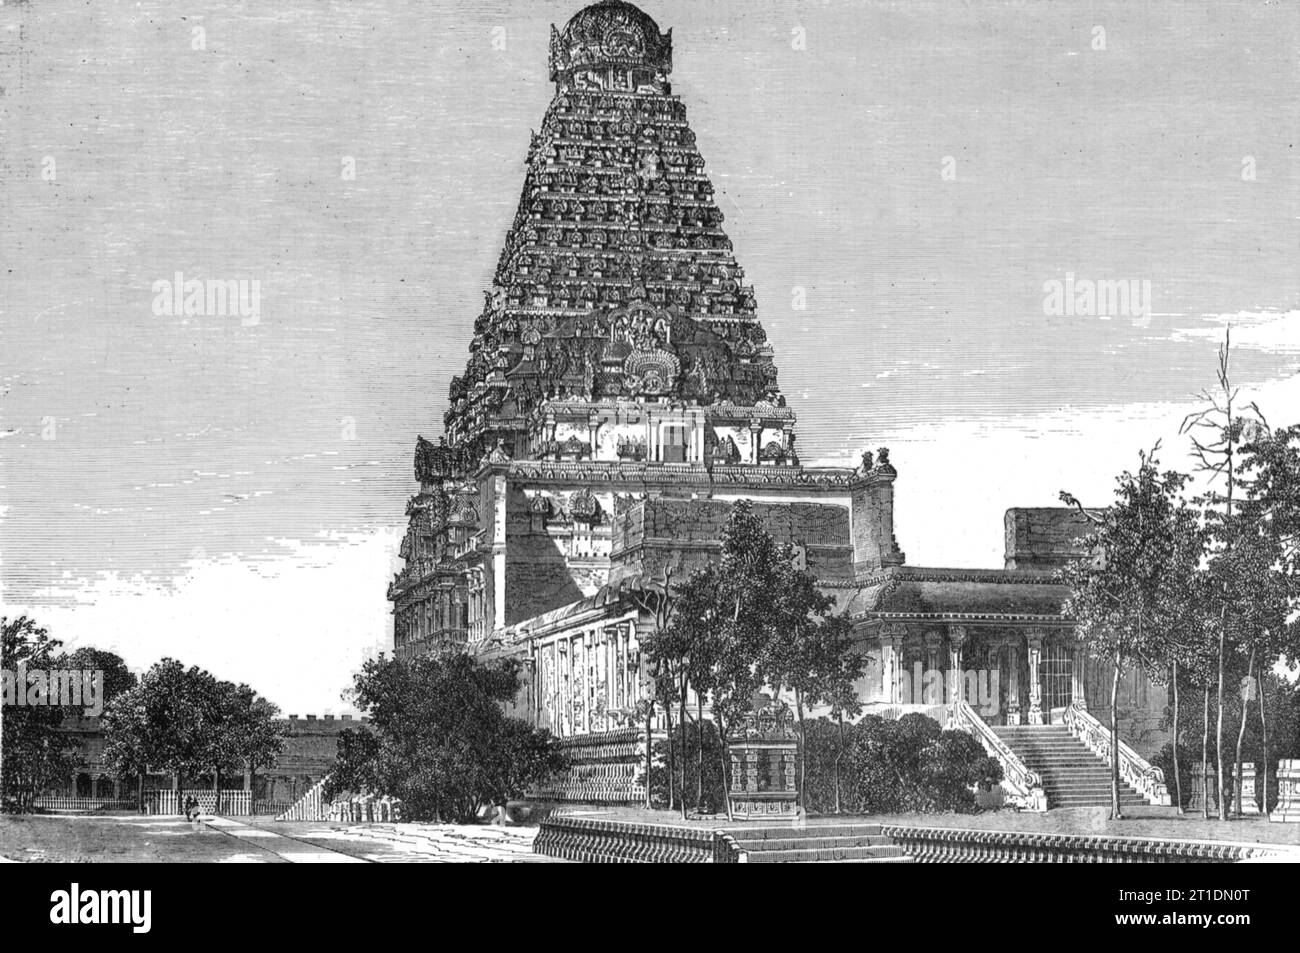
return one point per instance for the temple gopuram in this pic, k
(620, 395)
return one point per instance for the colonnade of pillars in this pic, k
(949, 645)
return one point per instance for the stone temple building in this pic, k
(621, 394)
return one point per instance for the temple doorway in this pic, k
(1056, 676)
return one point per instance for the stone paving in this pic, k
(286, 848)
(411, 843)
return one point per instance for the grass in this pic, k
(120, 838)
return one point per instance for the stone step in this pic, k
(1089, 780)
(812, 830)
(1056, 797)
(1093, 770)
(834, 854)
(1073, 775)
(1040, 731)
(814, 843)
(904, 859)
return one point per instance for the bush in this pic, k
(895, 767)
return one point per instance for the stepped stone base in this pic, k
(605, 767)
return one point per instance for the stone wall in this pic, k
(684, 534)
(540, 577)
(1043, 537)
(1141, 705)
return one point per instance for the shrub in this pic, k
(895, 767)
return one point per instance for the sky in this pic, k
(902, 183)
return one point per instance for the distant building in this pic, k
(310, 750)
(621, 394)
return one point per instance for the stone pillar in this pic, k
(1013, 683)
(593, 423)
(956, 678)
(891, 640)
(1248, 805)
(1203, 790)
(933, 642)
(755, 436)
(1078, 697)
(1034, 640)
(1288, 792)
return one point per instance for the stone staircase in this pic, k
(1072, 775)
(818, 843)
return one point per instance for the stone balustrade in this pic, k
(948, 845)
(1136, 771)
(595, 841)
(1021, 787)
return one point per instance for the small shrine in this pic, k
(763, 762)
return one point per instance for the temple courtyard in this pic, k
(128, 838)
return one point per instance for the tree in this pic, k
(1218, 455)
(809, 651)
(441, 741)
(117, 677)
(1267, 563)
(256, 736)
(174, 720)
(733, 600)
(34, 753)
(1124, 595)
(130, 738)
(667, 647)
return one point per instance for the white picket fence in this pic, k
(312, 806)
(232, 802)
(83, 805)
(354, 808)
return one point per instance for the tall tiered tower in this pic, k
(618, 355)
(617, 284)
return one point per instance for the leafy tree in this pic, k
(254, 735)
(131, 738)
(34, 753)
(356, 767)
(174, 720)
(118, 677)
(1124, 595)
(441, 741)
(1218, 455)
(734, 604)
(668, 647)
(1267, 562)
(748, 621)
(809, 653)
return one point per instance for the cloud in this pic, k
(957, 478)
(1269, 330)
(295, 627)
